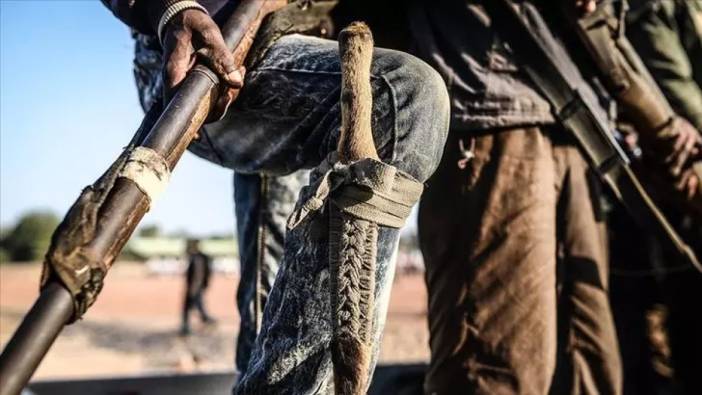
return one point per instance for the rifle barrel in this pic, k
(125, 205)
(34, 337)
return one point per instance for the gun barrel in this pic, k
(34, 337)
(125, 205)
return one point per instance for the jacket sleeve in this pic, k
(142, 15)
(132, 12)
(659, 38)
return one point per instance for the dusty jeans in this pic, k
(262, 202)
(491, 235)
(287, 118)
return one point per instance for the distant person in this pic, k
(198, 278)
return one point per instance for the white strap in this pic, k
(148, 170)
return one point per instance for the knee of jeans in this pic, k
(423, 111)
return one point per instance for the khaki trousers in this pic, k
(516, 269)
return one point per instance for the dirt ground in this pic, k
(132, 329)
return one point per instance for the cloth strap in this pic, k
(367, 189)
(148, 170)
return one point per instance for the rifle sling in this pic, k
(592, 132)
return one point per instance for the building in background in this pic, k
(166, 255)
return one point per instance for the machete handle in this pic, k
(356, 135)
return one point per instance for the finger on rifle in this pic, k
(678, 163)
(178, 57)
(217, 56)
(679, 141)
(693, 185)
(683, 152)
(586, 6)
(696, 146)
(688, 184)
(226, 96)
(590, 6)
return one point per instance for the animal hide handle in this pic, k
(356, 51)
(353, 242)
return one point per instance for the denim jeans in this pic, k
(263, 204)
(287, 118)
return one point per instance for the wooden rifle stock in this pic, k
(168, 133)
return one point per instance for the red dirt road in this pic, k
(132, 329)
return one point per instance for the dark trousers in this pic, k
(504, 316)
(657, 312)
(194, 301)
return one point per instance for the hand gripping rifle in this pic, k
(601, 35)
(577, 114)
(100, 222)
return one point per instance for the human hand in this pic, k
(682, 144)
(689, 184)
(190, 35)
(585, 6)
(676, 151)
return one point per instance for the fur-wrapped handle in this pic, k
(356, 51)
(353, 241)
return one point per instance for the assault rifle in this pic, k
(601, 35)
(578, 114)
(103, 218)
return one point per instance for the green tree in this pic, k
(150, 231)
(4, 256)
(30, 238)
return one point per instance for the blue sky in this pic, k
(68, 104)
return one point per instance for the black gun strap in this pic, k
(592, 133)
